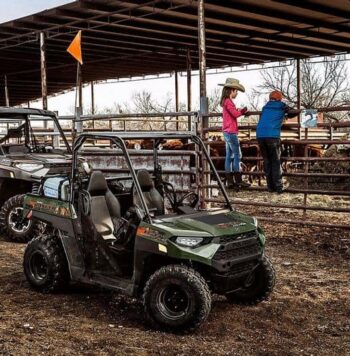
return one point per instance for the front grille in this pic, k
(229, 238)
(243, 267)
(251, 249)
(235, 247)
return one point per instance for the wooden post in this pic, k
(202, 62)
(189, 86)
(43, 73)
(92, 102)
(299, 95)
(177, 98)
(202, 165)
(7, 98)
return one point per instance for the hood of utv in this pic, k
(218, 223)
(44, 158)
(52, 163)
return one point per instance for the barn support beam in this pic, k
(202, 61)
(202, 166)
(43, 72)
(299, 94)
(92, 101)
(176, 74)
(7, 98)
(189, 86)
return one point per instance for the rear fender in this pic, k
(57, 213)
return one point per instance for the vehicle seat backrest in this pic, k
(104, 205)
(151, 195)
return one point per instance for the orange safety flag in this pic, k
(75, 48)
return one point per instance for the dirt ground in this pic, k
(308, 314)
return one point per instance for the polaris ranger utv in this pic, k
(106, 232)
(23, 163)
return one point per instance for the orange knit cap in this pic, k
(276, 95)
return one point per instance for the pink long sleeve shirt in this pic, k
(229, 117)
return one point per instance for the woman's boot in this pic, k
(239, 182)
(229, 181)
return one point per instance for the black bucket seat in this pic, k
(104, 205)
(153, 198)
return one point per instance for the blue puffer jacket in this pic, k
(271, 119)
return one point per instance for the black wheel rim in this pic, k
(16, 222)
(38, 266)
(173, 302)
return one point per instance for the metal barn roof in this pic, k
(133, 38)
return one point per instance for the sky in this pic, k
(10, 10)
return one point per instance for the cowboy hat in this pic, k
(233, 83)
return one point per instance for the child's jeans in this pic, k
(233, 152)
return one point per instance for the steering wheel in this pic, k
(170, 193)
(85, 202)
(191, 197)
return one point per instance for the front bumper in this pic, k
(236, 258)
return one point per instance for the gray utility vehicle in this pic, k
(129, 231)
(24, 161)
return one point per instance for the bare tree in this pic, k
(143, 102)
(324, 84)
(214, 100)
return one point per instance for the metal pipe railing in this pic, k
(282, 206)
(294, 190)
(309, 137)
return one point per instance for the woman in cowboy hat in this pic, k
(230, 130)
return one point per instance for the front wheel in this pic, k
(257, 287)
(176, 298)
(45, 264)
(14, 226)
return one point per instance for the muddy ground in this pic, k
(308, 314)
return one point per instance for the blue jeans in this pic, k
(270, 149)
(233, 152)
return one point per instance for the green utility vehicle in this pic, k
(136, 234)
(24, 161)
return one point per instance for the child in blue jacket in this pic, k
(268, 133)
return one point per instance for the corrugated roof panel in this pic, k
(126, 38)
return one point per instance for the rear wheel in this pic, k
(257, 287)
(45, 265)
(13, 225)
(176, 298)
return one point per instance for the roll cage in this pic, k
(23, 114)
(119, 141)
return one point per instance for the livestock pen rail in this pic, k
(316, 162)
(312, 157)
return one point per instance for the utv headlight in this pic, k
(29, 167)
(256, 223)
(189, 241)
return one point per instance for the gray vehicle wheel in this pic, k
(45, 264)
(258, 286)
(176, 298)
(12, 225)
